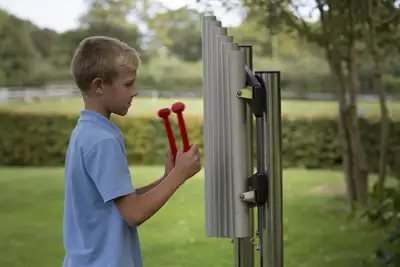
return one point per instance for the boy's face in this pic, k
(117, 97)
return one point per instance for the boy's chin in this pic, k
(121, 112)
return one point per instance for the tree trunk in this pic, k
(354, 158)
(383, 147)
(330, 39)
(378, 59)
(344, 123)
(358, 155)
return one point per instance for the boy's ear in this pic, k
(97, 83)
(99, 89)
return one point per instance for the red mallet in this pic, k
(178, 108)
(164, 113)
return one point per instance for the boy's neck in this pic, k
(94, 106)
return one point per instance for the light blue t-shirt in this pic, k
(96, 172)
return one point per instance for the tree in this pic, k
(44, 40)
(17, 52)
(120, 12)
(114, 12)
(68, 41)
(179, 32)
(382, 30)
(112, 18)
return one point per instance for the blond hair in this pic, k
(104, 57)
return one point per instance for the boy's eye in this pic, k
(130, 83)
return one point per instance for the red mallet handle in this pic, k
(178, 108)
(164, 113)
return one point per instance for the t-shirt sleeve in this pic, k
(107, 166)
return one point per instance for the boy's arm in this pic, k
(146, 188)
(136, 209)
(168, 167)
(108, 168)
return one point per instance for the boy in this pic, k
(102, 209)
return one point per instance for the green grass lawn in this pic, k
(146, 106)
(316, 227)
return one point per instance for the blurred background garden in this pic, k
(340, 70)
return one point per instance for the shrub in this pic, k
(29, 139)
(392, 84)
(384, 211)
(34, 139)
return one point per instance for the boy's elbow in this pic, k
(135, 220)
(130, 210)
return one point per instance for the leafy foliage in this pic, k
(41, 139)
(179, 31)
(173, 36)
(384, 211)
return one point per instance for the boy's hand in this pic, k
(187, 164)
(169, 164)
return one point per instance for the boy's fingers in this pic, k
(169, 153)
(194, 148)
(178, 152)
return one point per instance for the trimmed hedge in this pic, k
(29, 139)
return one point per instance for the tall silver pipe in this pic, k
(211, 189)
(206, 52)
(223, 132)
(240, 153)
(238, 123)
(215, 114)
(244, 246)
(226, 47)
(216, 126)
(274, 209)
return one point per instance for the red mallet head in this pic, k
(178, 108)
(164, 113)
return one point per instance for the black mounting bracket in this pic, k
(259, 183)
(254, 93)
